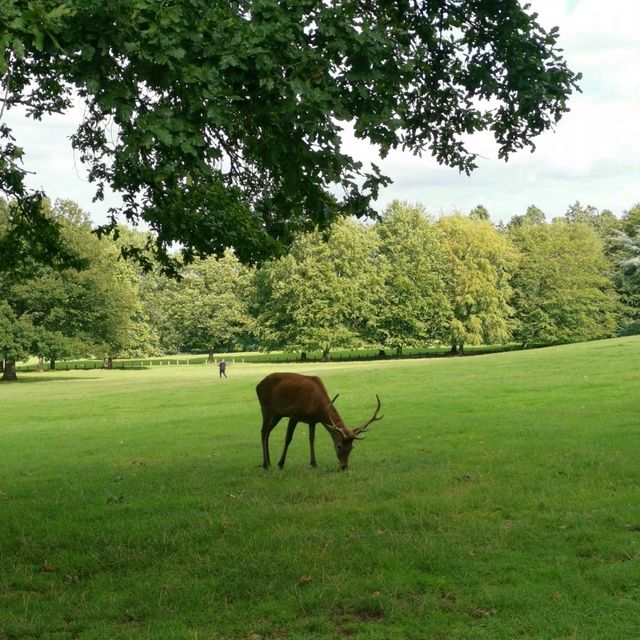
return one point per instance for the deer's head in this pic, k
(343, 438)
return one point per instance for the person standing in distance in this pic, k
(222, 365)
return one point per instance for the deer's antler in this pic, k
(333, 427)
(374, 418)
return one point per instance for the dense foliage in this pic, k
(562, 291)
(407, 281)
(624, 246)
(480, 262)
(414, 307)
(323, 294)
(70, 311)
(218, 123)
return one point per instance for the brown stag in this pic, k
(304, 399)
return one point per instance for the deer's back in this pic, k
(292, 395)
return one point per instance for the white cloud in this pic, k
(593, 155)
(54, 167)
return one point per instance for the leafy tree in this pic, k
(480, 261)
(48, 303)
(16, 336)
(101, 298)
(626, 276)
(479, 212)
(210, 307)
(533, 215)
(219, 122)
(59, 312)
(414, 309)
(144, 334)
(602, 222)
(34, 300)
(15, 332)
(561, 290)
(631, 220)
(323, 294)
(113, 304)
(156, 292)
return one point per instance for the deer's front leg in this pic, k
(291, 427)
(312, 438)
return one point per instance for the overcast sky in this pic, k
(592, 156)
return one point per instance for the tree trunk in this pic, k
(454, 349)
(325, 355)
(107, 363)
(382, 354)
(40, 363)
(9, 373)
(1, 365)
(303, 356)
(52, 364)
(398, 351)
(210, 358)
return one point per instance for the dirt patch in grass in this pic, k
(348, 618)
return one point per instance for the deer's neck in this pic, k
(333, 418)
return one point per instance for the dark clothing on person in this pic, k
(222, 365)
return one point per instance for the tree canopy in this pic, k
(414, 308)
(210, 306)
(625, 249)
(57, 313)
(480, 262)
(218, 123)
(323, 294)
(562, 292)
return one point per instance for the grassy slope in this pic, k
(499, 498)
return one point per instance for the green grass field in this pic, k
(499, 498)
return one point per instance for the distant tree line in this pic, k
(407, 280)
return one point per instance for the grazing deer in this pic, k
(304, 399)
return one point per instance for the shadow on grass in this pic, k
(45, 378)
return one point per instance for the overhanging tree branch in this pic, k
(268, 87)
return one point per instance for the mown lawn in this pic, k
(498, 498)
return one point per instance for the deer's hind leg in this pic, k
(268, 423)
(291, 427)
